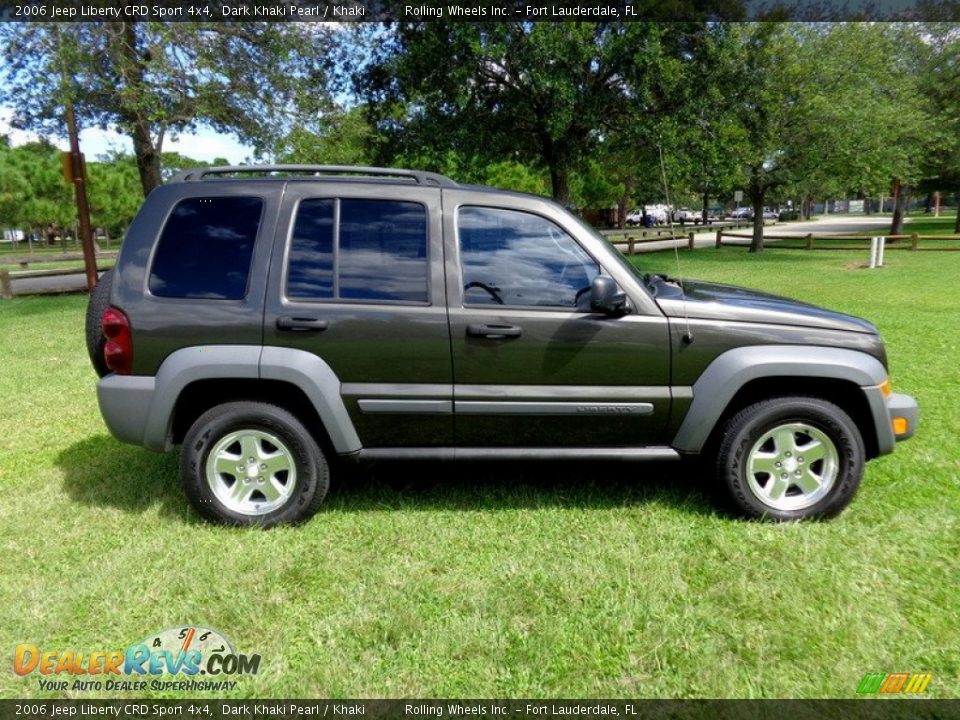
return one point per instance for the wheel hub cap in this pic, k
(252, 472)
(792, 466)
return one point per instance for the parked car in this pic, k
(277, 327)
(744, 212)
(684, 215)
(659, 213)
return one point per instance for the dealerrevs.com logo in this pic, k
(181, 653)
(894, 683)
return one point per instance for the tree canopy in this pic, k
(579, 110)
(149, 80)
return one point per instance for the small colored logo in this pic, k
(185, 651)
(894, 683)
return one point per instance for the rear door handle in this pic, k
(301, 324)
(494, 332)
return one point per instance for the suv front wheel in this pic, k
(791, 459)
(251, 463)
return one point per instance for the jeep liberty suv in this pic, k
(275, 319)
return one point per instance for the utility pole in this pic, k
(78, 176)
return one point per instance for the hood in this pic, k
(713, 301)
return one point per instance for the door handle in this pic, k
(494, 332)
(301, 324)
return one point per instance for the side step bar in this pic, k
(643, 454)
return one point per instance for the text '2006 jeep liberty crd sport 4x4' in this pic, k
(269, 319)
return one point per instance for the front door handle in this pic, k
(301, 324)
(494, 332)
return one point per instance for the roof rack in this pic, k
(422, 178)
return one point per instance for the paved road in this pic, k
(54, 284)
(835, 225)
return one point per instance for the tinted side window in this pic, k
(311, 251)
(206, 247)
(377, 252)
(515, 258)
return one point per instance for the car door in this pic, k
(357, 279)
(532, 365)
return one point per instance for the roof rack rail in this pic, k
(422, 178)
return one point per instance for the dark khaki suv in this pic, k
(274, 319)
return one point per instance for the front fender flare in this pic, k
(728, 373)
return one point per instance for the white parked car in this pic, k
(659, 213)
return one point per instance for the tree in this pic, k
(938, 78)
(148, 80)
(768, 90)
(864, 120)
(543, 93)
(43, 200)
(708, 142)
(330, 134)
(14, 188)
(824, 108)
(113, 191)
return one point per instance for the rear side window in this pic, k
(206, 247)
(376, 252)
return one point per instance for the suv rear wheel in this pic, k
(251, 463)
(791, 459)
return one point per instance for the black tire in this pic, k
(98, 302)
(309, 472)
(752, 424)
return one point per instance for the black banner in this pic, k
(212, 11)
(471, 709)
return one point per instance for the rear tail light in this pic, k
(118, 351)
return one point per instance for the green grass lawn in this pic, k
(924, 224)
(607, 581)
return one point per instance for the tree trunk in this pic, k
(757, 193)
(956, 224)
(622, 205)
(706, 211)
(132, 70)
(756, 244)
(148, 159)
(899, 201)
(560, 182)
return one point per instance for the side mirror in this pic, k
(605, 296)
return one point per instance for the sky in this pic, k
(204, 145)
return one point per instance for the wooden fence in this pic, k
(632, 238)
(105, 261)
(810, 241)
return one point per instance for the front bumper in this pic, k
(904, 414)
(895, 417)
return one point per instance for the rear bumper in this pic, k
(125, 402)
